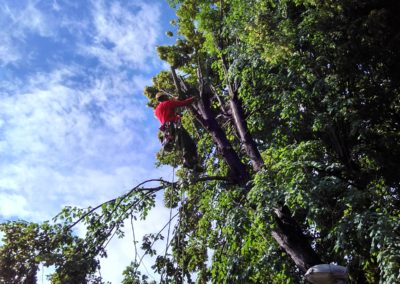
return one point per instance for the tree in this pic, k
(27, 245)
(297, 126)
(313, 87)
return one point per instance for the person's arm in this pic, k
(175, 103)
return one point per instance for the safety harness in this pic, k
(169, 131)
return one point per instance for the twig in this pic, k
(134, 238)
(158, 234)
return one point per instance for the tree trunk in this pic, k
(288, 234)
(238, 169)
(245, 137)
(204, 114)
(240, 123)
(291, 239)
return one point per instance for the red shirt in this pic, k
(165, 111)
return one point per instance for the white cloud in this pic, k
(13, 205)
(8, 53)
(120, 33)
(17, 23)
(124, 33)
(33, 19)
(26, 17)
(73, 132)
(56, 6)
(73, 144)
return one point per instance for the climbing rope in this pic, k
(178, 144)
(169, 222)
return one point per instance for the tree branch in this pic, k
(148, 190)
(176, 83)
(154, 189)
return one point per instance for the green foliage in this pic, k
(319, 81)
(27, 245)
(133, 276)
(177, 55)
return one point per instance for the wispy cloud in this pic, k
(24, 18)
(74, 129)
(124, 33)
(71, 142)
(17, 22)
(8, 54)
(119, 33)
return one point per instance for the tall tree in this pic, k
(317, 85)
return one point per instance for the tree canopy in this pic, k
(297, 126)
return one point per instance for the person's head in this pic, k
(161, 97)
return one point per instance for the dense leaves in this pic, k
(297, 126)
(319, 85)
(27, 245)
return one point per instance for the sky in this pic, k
(74, 126)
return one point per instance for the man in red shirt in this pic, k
(165, 110)
(170, 122)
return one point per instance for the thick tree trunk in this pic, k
(241, 126)
(245, 137)
(291, 239)
(237, 168)
(288, 234)
(204, 114)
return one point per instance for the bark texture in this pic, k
(291, 239)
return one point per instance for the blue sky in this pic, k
(74, 126)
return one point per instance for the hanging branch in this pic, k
(148, 190)
(136, 188)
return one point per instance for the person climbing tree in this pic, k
(173, 131)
